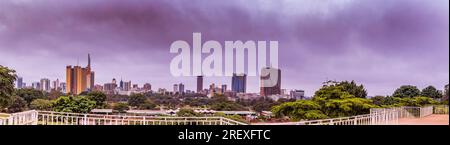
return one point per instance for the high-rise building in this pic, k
(109, 88)
(19, 84)
(79, 79)
(181, 88)
(121, 84)
(62, 85)
(45, 85)
(239, 83)
(175, 88)
(56, 85)
(270, 81)
(36, 85)
(127, 86)
(297, 94)
(199, 83)
(147, 87)
(224, 88)
(212, 90)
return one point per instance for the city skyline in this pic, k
(380, 44)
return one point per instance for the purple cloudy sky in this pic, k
(380, 43)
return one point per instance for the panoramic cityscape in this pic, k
(287, 62)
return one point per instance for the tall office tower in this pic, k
(127, 86)
(224, 88)
(238, 83)
(181, 88)
(175, 88)
(79, 79)
(199, 83)
(212, 89)
(147, 87)
(55, 85)
(62, 86)
(19, 84)
(45, 85)
(270, 81)
(36, 86)
(121, 84)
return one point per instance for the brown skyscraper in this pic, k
(270, 81)
(199, 84)
(79, 79)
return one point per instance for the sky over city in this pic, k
(382, 44)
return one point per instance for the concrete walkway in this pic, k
(435, 119)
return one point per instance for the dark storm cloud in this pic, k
(358, 39)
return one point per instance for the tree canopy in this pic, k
(431, 92)
(7, 78)
(98, 97)
(30, 94)
(78, 104)
(406, 91)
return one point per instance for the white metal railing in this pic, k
(21, 118)
(61, 118)
(440, 109)
(386, 117)
(378, 116)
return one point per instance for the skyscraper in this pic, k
(270, 81)
(45, 85)
(79, 79)
(175, 88)
(224, 88)
(121, 84)
(181, 88)
(199, 83)
(239, 83)
(55, 85)
(36, 85)
(19, 82)
(127, 86)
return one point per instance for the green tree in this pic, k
(98, 97)
(418, 101)
(347, 107)
(298, 110)
(354, 89)
(79, 104)
(29, 94)
(378, 100)
(220, 103)
(431, 92)
(120, 107)
(148, 104)
(446, 93)
(7, 78)
(17, 105)
(406, 91)
(187, 113)
(136, 99)
(41, 104)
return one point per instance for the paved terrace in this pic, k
(429, 115)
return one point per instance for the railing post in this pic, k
(85, 120)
